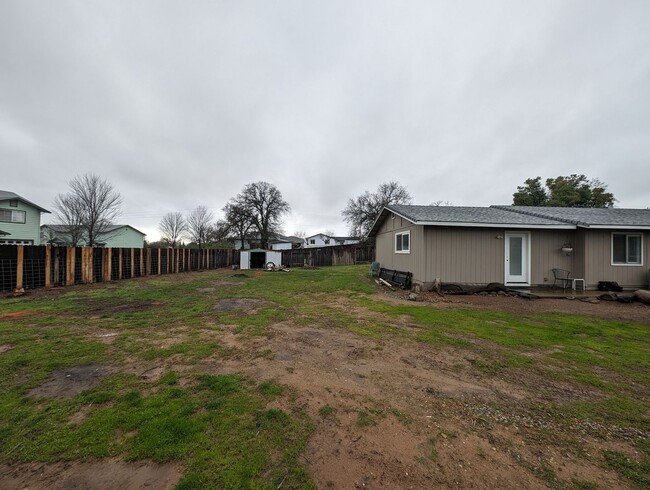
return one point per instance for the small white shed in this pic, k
(258, 258)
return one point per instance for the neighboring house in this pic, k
(20, 220)
(277, 242)
(115, 236)
(514, 245)
(323, 240)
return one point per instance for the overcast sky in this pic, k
(182, 103)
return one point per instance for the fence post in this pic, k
(107, 263)
(70, 263)
(132, 263)
(148, 264)
(120, 255)
(56, 266)
(87, 265)
(48, 265)
(141, 262)
(20, 256)
(159, 254)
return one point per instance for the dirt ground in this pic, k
(579, 305)
(398, 414)
(428, 417)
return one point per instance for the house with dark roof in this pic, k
(20, 220)
(514, 245)
(113, 236)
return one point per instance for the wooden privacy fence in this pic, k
(45, 266)
(326, 256)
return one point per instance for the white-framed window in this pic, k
(627, 249)
(403, 242)
(327, 241)
(12, 216)
(312, 241)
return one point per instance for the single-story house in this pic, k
(115, 236)
(514, 245)
(20, 219)
(276, 242)
(323, 240)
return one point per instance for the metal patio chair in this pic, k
(563, 277)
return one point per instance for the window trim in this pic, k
(399, 234)
(626, 264)
(16, 211)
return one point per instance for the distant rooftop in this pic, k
(12, 196)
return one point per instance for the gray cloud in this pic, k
(180, 104)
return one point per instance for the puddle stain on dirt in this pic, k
(128, 307)
(234, 304)
(69, 382)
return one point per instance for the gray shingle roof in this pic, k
(518, 216)
(10, 196)
(587, 216)
(465, 214)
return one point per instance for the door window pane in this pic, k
(516, 253)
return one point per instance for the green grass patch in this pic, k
(636, 471)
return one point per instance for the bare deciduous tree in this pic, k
(263, 204)
(68, 214)
(239, 222)
(172, 227)
(361, 212)
(199, 225)
(91, 205)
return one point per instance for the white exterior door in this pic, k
(244, 260)
(518, 258)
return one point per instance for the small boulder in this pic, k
(642, 296)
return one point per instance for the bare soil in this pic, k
(612, 310)
(105, 475)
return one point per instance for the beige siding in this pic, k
(546, 254)
(598, 261)
(412, 262)
(471, 255)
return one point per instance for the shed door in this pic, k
(517, 258)
(243, 260)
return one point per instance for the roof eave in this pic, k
(382, 216)
(618, 227)
(497, 225)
